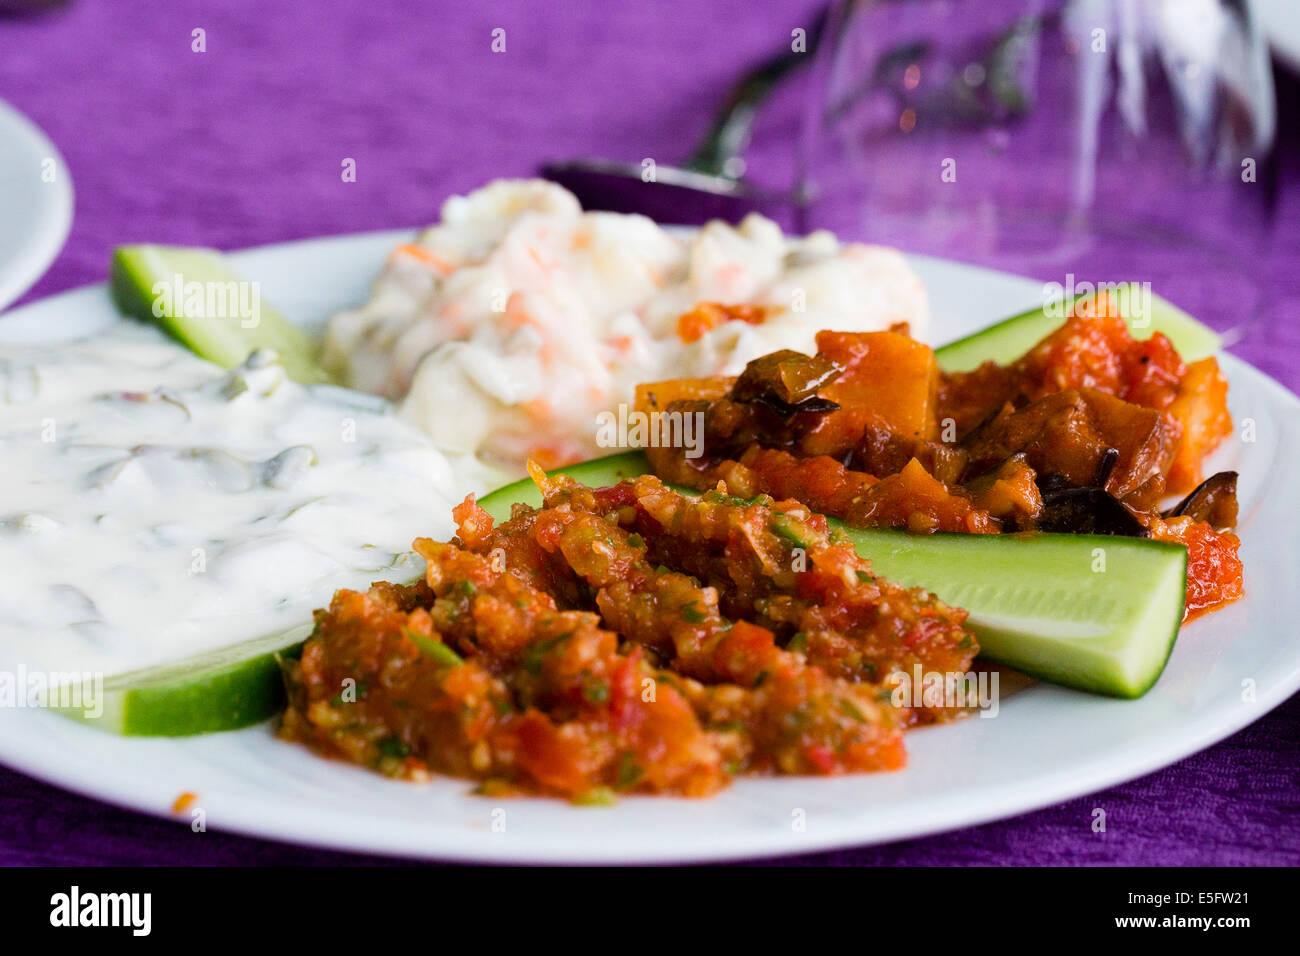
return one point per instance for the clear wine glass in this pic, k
(1068, 140)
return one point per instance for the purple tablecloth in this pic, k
(242, 145)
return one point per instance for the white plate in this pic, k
(1045, 746)
(36, 200)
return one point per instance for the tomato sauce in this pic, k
(886, 439)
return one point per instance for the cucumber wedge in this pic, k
(1092, 612)
(195, 296)
(1013, 337)
(224, 690)
(596, 473)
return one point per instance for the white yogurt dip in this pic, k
(153, 506)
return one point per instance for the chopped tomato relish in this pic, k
(625, 639)
(1213, 567)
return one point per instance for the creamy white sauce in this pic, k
(153, 506)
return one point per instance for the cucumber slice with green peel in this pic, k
(195, 296)
(223, 690)
(596, 473)
(1094, 612)
(1011, 338)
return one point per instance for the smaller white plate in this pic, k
(36, 199)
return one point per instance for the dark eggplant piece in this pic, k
(788, 410)
(1088, 511)
(883, 452)
(1071, 510)
(1052, 484)
(1214, 501)
(1109, 458)
(785, 380)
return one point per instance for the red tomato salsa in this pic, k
(626, 639)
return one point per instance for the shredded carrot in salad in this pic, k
(429, 258)
(707, 316)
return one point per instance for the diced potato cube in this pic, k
(1201, 408)
(892, 375)
(657, 396)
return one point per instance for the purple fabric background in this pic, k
(242, 145)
